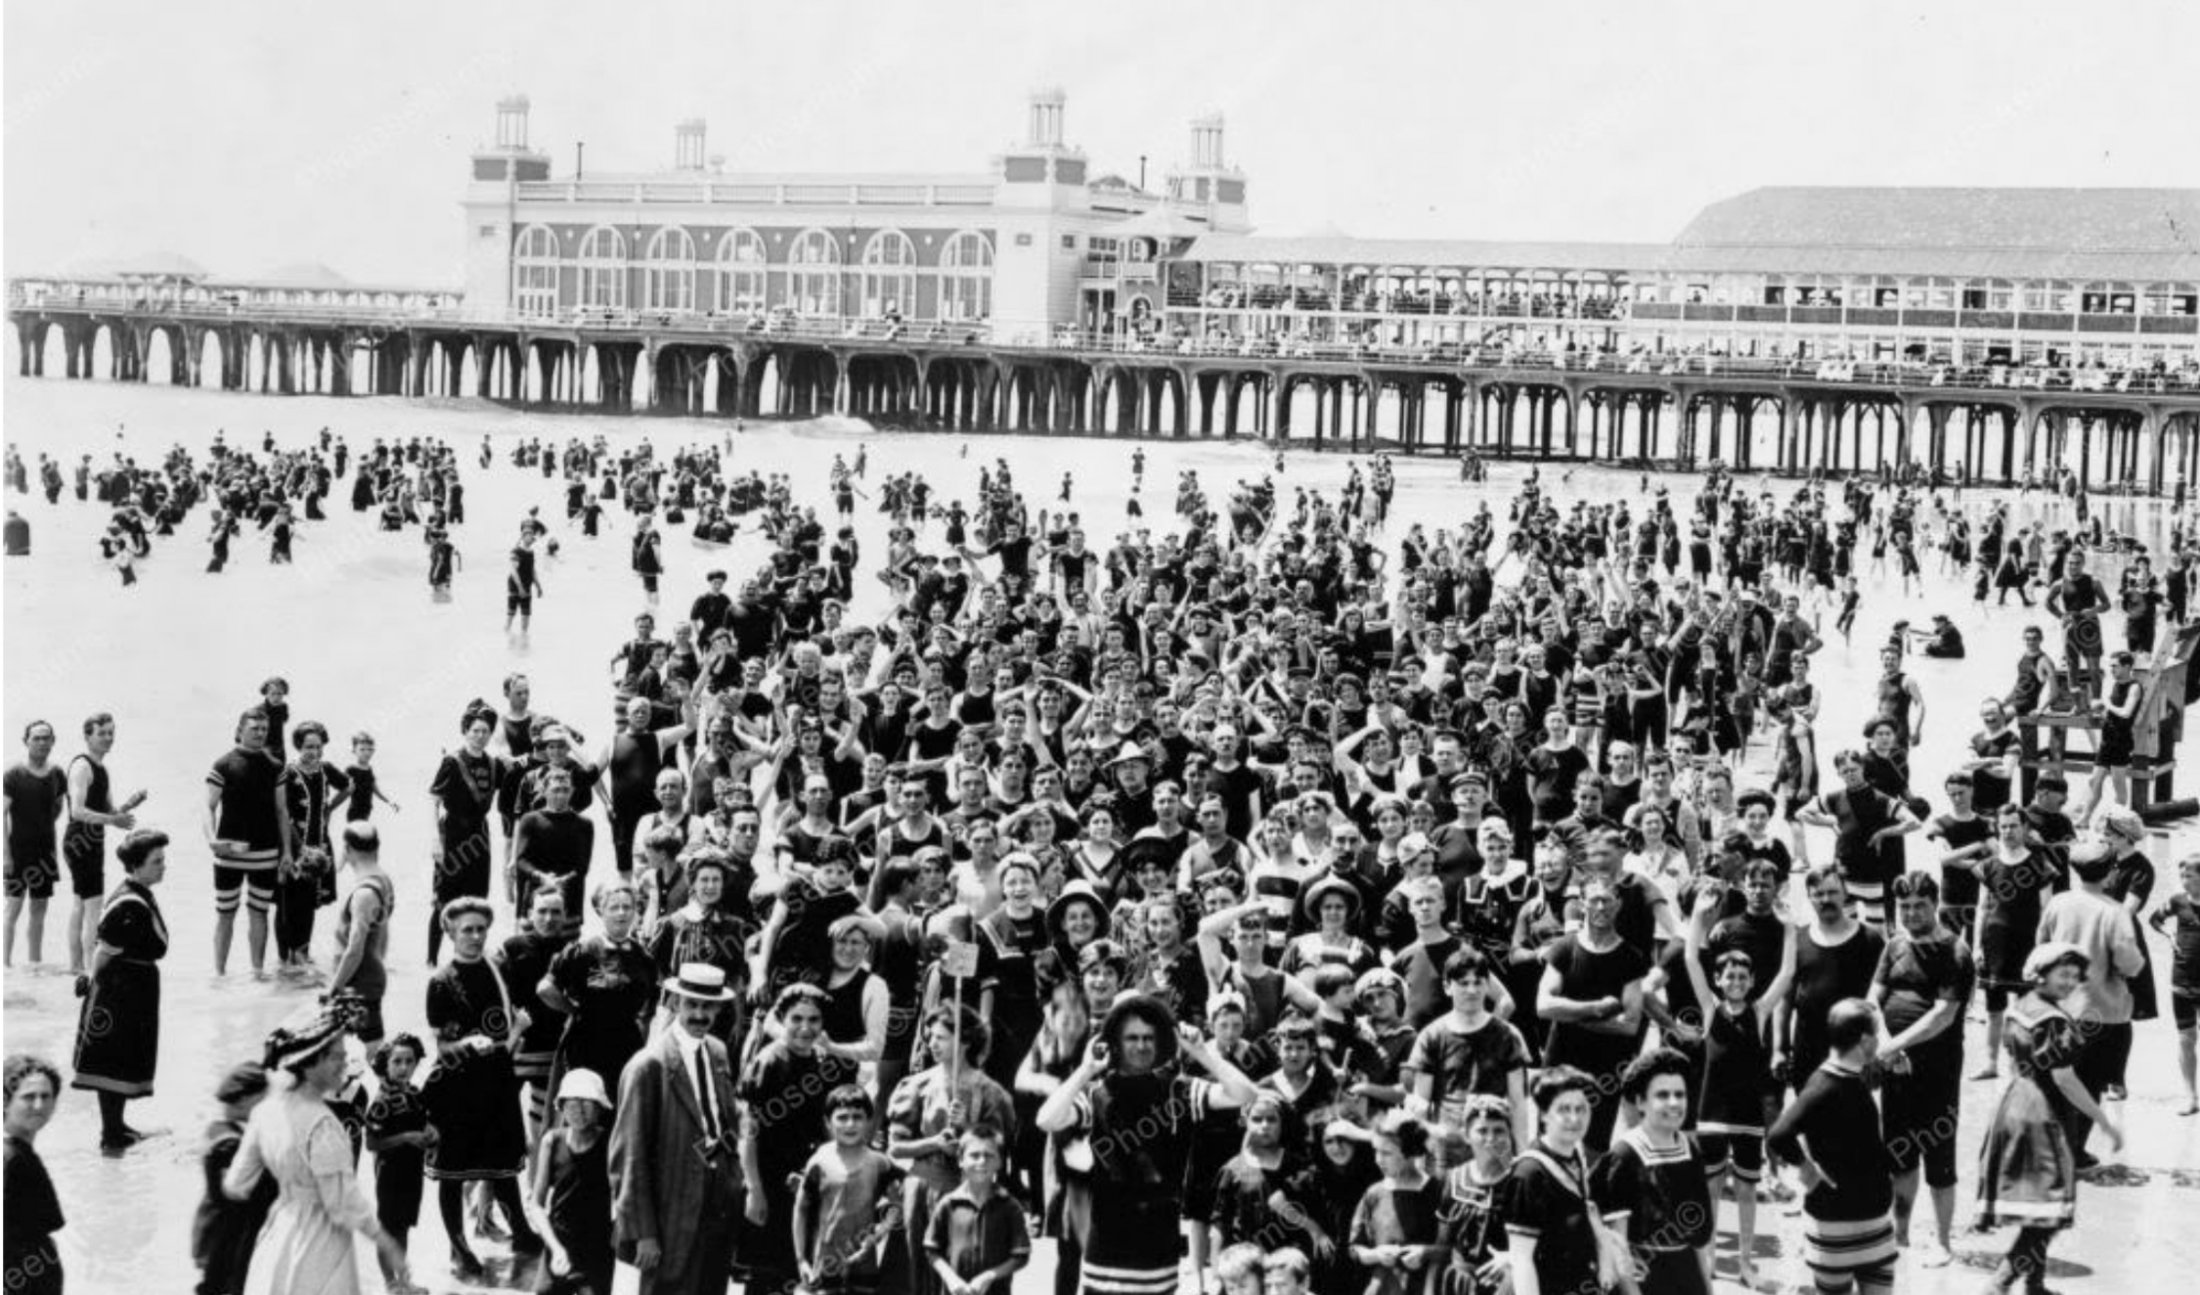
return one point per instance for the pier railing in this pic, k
(995, 336)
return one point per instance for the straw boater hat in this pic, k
(585, 1085)
(700, 981)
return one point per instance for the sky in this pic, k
(254, 134)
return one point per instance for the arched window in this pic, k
(741, 286)
(603, 269)
(966, 277)
(535, 272)
(670, 283)
(813, 274)
(889, 275)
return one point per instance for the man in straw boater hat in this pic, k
(675, 1172)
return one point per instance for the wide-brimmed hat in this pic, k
(1311, 901)
(1144, 850)
(305, 1037)
(584, 1085)
(1077, 892)
(700, 981)
(1128, 752)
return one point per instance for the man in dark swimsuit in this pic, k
(2079, 599)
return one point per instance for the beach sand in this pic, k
(353, 628)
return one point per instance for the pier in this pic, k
(2133, 431)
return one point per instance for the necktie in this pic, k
(704, 1096)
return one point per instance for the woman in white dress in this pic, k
(307, 1246)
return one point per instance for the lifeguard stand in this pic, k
(2166, 686)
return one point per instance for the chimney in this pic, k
(687, 145)
(1046, 119)
(1207, 142)
(512, 123)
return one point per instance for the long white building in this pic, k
(1037, 240)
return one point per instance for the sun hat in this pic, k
(583, 1085)
(306, 1037)
(1327, 886)
(1074, 893)
(1129, 752)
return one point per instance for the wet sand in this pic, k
(353, 627)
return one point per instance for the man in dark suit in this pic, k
(675, 1170)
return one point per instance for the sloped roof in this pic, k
(172, 265)
(167, 264)
(302, 274)
(1413, 253)
(2010, 233)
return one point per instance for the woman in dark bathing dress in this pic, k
(782, 1093)
(464, 790)
(118, 1032)
(34, 1210)
(1549, 1223)
(473, 1096)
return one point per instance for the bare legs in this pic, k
(225, 930)
(37, 940)
(83, 933)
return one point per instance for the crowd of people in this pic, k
(1279, 899)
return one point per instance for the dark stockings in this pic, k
(2026, 1261)
(112, 1131)
(451, 1203)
